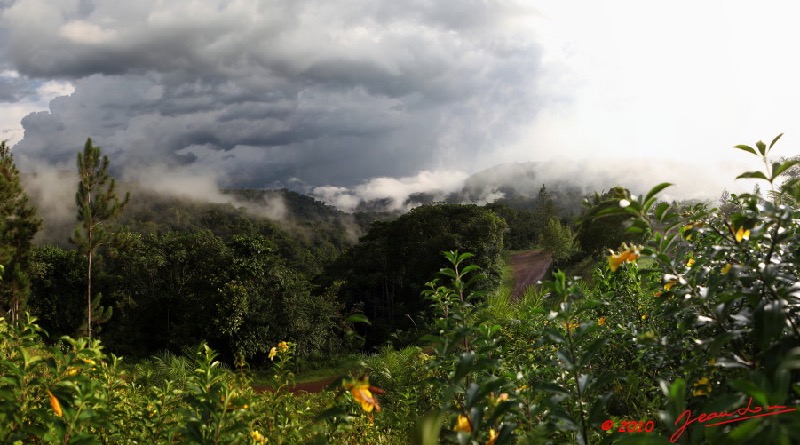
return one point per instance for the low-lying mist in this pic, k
(52, 189)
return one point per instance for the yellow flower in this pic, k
(463, 425)
(55, 405)
(283, 346)
(644, 317)
(627, 255)
(726, 268)
(742, 234)
(701, 387)
(522, 388)
(257, 437)
(272, 353)
(570, 326)
(492, 436)
(690, 263)
(601, 321)
(362, 393)
(671, 280)
(71, 371)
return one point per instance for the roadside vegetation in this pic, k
(662, 322)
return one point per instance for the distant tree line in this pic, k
(173, 273)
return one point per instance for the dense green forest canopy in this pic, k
(275, 264)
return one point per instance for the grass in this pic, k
(501, 304)
(335, 367)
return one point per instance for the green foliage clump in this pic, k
(558, 241)
(176, 289)
(386, 272)
(18, 225)
(601, 228)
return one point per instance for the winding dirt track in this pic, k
(529, 268)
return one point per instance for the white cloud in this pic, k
(200, 186)
(686, 80)
(9, 74)
(83, 32)
(397, 190)
(12, 113)
(52, 89)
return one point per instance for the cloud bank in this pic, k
(357, 100)
(261, 93)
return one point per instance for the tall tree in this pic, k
(558, 240)
(18, 225)
(544, 209)
(98, 204)
(598, 231)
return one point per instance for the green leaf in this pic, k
(752, 175)
(718, 342)
(563, 418)
(427, 429)
(83, 439)
(747, 149)
(677, 393)
(592, 350)
(504, 436)
(656, 190)
(331, 413)
(761, 148)
(791, 361)
(469, 269)
(778, 168)
(358, 318)
(555, 336)
(660, 209)
(563, 355)
(465, 365)
(552, 388)
(777, 138)
(746, 429)
(752, 389)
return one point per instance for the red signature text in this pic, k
(729, 417)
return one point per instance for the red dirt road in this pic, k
(309, 387)
(529, 268)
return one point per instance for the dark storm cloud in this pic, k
(273, 92)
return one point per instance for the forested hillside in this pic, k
(268, 265)
(696, 308)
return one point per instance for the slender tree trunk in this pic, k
(89, 292)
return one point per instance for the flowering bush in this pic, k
(728, 306)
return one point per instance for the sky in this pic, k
(353, 100)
